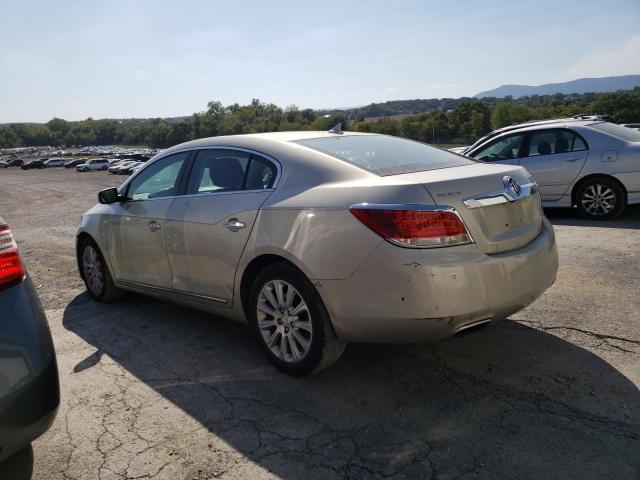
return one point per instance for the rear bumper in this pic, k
(29, 388)
(407, 295)
(631, 182)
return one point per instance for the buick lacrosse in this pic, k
(317, 239)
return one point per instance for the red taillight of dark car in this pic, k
(414, 228)
(11, 269)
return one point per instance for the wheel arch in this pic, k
(253, 268)
(593, 176)
(83, 236)
(80, 239)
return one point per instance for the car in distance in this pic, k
(593, 165)
(29, 389)
(15, 162)
(75, 162)
(130, 168)
(55, 162)
(120, 167)
(95, 164)
(33, 164)
(317, 239)
(635, 126)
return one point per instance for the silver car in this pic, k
(316, 239)
(592, 165)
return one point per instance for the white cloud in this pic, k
(140, 72)
(613, 59)
(391, 89)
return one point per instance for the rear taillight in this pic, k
(414, 225)
(11, 269)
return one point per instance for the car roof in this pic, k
(250, 140)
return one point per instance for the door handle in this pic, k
(153, 226)
(573, 159)
(233, 224)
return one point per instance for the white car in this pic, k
(55, 162)
(95, 164)
(590, 164)
(137, 167)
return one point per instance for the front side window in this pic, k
(160, 179)
(504, 148)
(549, 142)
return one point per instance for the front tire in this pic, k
(94, 272)
(600, 199)
(291, 322)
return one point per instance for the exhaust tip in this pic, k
(472, 327)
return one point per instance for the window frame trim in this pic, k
(187, 167)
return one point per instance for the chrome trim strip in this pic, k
(197, 295)
(501, 196)
(141, 285)
(402, 206)
(170, 291)
(419, 207)
(236, 192)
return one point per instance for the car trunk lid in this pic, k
(499, 204)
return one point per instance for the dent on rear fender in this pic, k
(324, 244)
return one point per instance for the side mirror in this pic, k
(110, 195)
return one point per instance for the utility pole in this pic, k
(433, 134)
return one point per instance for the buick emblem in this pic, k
(512, 185)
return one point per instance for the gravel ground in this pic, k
(153, 390)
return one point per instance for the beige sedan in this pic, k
(317, 239)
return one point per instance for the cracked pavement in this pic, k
(157, 391)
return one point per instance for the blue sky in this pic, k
(111, 59)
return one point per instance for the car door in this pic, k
(208, 227)
(554, 157)
(138, 246)
(505, 149)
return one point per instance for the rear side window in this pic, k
(385, 155)
(549, 142)
(219, 170)
(624, 133)
(261, 174)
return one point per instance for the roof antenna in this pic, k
(337, 129)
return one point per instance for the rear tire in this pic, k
(94, 272)
(291, 323)
(600, 198)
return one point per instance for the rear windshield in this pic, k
(384, 155)
(625, 133)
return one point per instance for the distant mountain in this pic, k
(582, 85)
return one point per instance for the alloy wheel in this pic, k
(93, 270)
(598, 199)
(284, 321)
